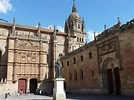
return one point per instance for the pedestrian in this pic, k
(8, 93)
(40, 92)
(18, 93)
(28, 91)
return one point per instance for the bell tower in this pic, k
(75, 26)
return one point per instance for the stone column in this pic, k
(28, 83)
(59, 93)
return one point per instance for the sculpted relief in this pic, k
(28, 45)
(28, 52)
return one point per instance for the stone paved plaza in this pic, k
(69, 97)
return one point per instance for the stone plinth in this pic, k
(59, 93)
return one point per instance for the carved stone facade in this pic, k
(103, 66)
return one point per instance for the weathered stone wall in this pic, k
(126, 39)
(111, 50)
(89, 82)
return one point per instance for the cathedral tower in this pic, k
(75, 26)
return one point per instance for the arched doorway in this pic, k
(111, 77)
(22, 85)
(33, 85)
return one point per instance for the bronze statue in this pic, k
(58, 69)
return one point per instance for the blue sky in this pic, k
(96, 13)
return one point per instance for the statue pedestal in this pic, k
(59, 93)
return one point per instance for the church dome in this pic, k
(74, 15)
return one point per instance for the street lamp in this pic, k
(3, 20)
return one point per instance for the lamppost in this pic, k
(3, 20)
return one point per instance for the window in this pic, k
(60, 55)
(82, 40)
(0, 55)
(75, 75)
(81, 58)
(78, 26)
(92, 73)
(67, 63)
(77, 39)
(70, 76)
(74, 60)
(81, 74)
(90, 55)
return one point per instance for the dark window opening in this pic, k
(75, 75)
(90, 55)
(74, 60)
(67, 63)
(78, 26)
(81, 58)
(82, 40)
(77, 39)
(81, 74)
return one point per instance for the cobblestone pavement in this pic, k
(69, 97)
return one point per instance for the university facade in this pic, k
(103, 66)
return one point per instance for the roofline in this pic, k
(31, 28)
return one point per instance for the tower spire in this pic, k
(74, 7)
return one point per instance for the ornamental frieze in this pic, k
(27, 57)
(28, 45)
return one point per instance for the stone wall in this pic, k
(111, 50)
(126, 39)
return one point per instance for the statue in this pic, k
(58, 69)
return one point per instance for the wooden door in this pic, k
(22, 85)
(110, 81)
(117, 81)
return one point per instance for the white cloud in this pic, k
(50, 27)
(90, 35)
(5, 5)
(60, 28)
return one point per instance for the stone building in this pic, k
(103, 66)
(28, 54)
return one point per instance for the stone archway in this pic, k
(111, 77)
